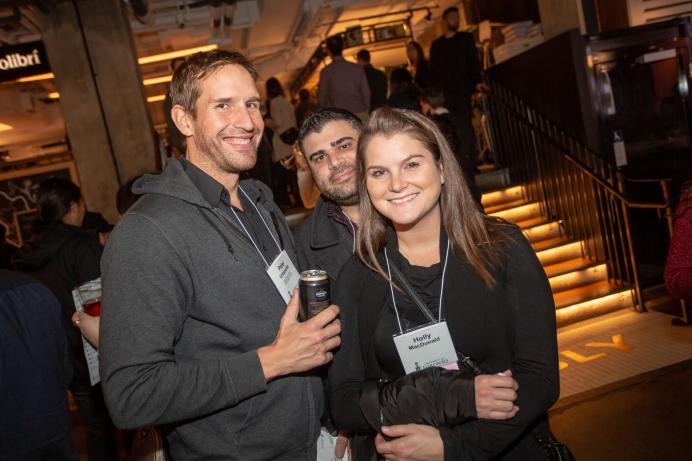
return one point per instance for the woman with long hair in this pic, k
(418, 65)
(63, 256)
(403, 93)
(475, 286)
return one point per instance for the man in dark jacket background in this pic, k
(195, 335)
(328, 140)
(456, 70)
(377, 80)
(34, 373)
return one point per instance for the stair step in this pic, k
(584, 293)
(532, 222)
(504, 195)
(520, 213)
(542, 231)
(570, 265)
(561, 253)
(618, 299)
(493, 179)
(550, 243)
(579, 278)
(504, 206)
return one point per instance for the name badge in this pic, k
(284, 275)
(425, 347)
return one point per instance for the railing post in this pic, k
(639, 301)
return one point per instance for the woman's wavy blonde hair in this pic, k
(471, 232)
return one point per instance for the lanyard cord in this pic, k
(248, 233)
(442, 287)
(353, 229)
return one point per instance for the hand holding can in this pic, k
(315, 293)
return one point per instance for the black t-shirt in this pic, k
(218, 197)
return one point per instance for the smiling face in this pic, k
(224, 133)
(403, 180)
(331, 156)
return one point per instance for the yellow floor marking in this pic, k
(618, 343)
(563, 365)
(577, 357)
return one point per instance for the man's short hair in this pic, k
(335, 44)
(451, 9)
(433, 96)
(363, 55)
(184, 90)
(317, 120)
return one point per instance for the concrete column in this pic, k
(91, 52)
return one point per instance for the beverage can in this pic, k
(314, 293)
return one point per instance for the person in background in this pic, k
(678, 269)
(6, 250)
(456, 70)
(281, 120)
(62, 258)
(403, 93)
(343, 84)
(479, 279)
(377, 80)
(305, 107)
(432, 103)
(418, 65)
(195, 333)
(328, 141)
(35, 373)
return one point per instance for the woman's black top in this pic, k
(508, 326)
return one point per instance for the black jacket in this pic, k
(511, 325)
(322, 243)
(62, 258)
(377, 81)
(455, 68)
(34, 371)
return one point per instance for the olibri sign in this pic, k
(22, 60)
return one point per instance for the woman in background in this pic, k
(418, 65)
(62, 257)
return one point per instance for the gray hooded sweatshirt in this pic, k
(186, 304)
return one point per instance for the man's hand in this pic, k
(301, 346)
(411, 442)
(495, 396)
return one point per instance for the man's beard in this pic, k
(226, 162)
(342, 195)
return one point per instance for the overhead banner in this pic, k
(22, 60)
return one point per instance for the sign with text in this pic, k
(22, 60)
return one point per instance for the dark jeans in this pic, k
(58, 450)
(100, 432)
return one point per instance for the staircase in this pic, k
(581, 286)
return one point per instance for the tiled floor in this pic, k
(616, 347)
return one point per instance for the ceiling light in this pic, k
(4, 127)
(155, 80)
(176, 54)
(35, 78)
(158, 97)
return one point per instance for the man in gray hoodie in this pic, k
(195, 336)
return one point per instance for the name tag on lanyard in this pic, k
(284, 275)
(428, 346)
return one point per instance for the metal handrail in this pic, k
(573, 184)
(584, 168)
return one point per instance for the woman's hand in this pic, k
(410, 442)
(495, 396)
(88, 326)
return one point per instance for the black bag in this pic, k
(289, 136)
(554, 449)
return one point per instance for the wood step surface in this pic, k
(502, 195)
(550, 243)
(570, 265)
(584, 293)
(543, 231)
(569, 250)
(617, 300)
(579, 278)
(519, 213)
